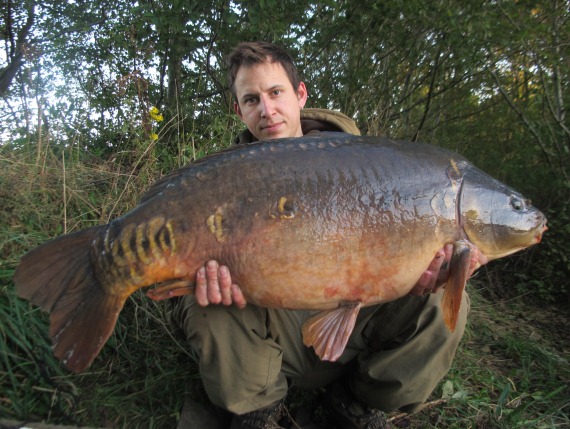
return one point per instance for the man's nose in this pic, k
(266, 106)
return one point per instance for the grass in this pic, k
(510, 371)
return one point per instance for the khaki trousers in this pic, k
(395, 357)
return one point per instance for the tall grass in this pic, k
(142, 375)
(511, 370)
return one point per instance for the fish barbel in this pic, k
(331, 222)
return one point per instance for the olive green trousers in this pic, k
(395, 357)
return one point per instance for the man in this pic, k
(398, 351)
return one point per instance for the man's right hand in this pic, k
(214, 286)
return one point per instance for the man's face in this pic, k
(267, 102)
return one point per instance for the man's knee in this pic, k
(408, 359)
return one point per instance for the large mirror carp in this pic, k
(331, 222)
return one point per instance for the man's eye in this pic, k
(277, 92)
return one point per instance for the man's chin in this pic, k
(273, 135)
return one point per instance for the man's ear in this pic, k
(237, 110)
(302, 94)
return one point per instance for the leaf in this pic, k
(460, 394)
(447, 390)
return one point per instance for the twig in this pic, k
(64, 194)
(423, 407)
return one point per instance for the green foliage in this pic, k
(46, 194)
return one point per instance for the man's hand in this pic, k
(436, 274)
(438, 271)
(214, 286)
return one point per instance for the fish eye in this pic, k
(517, 203)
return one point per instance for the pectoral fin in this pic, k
(170, 289)
(329, 331)
(454, 287)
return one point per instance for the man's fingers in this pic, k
(423, 284)
(237, 296)
(434, 271)
(443, 274)
(231, 293)
(225, 285)
(213, 290)
(201, 291)
(474, 262)
(214, 286)
(436, 274)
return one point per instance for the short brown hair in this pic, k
(250, 53)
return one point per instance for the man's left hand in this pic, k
(437, 274)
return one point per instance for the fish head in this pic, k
(495, 218)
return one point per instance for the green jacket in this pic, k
(314, 120)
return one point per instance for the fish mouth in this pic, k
(529, 241)
(538, 236)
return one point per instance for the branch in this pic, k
(452, 84)
(429, 94)
(16, 59)
(8, 73)
(9, 29)
(211, 43)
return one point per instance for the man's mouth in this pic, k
(271, 127)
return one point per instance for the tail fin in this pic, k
(58, 277)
